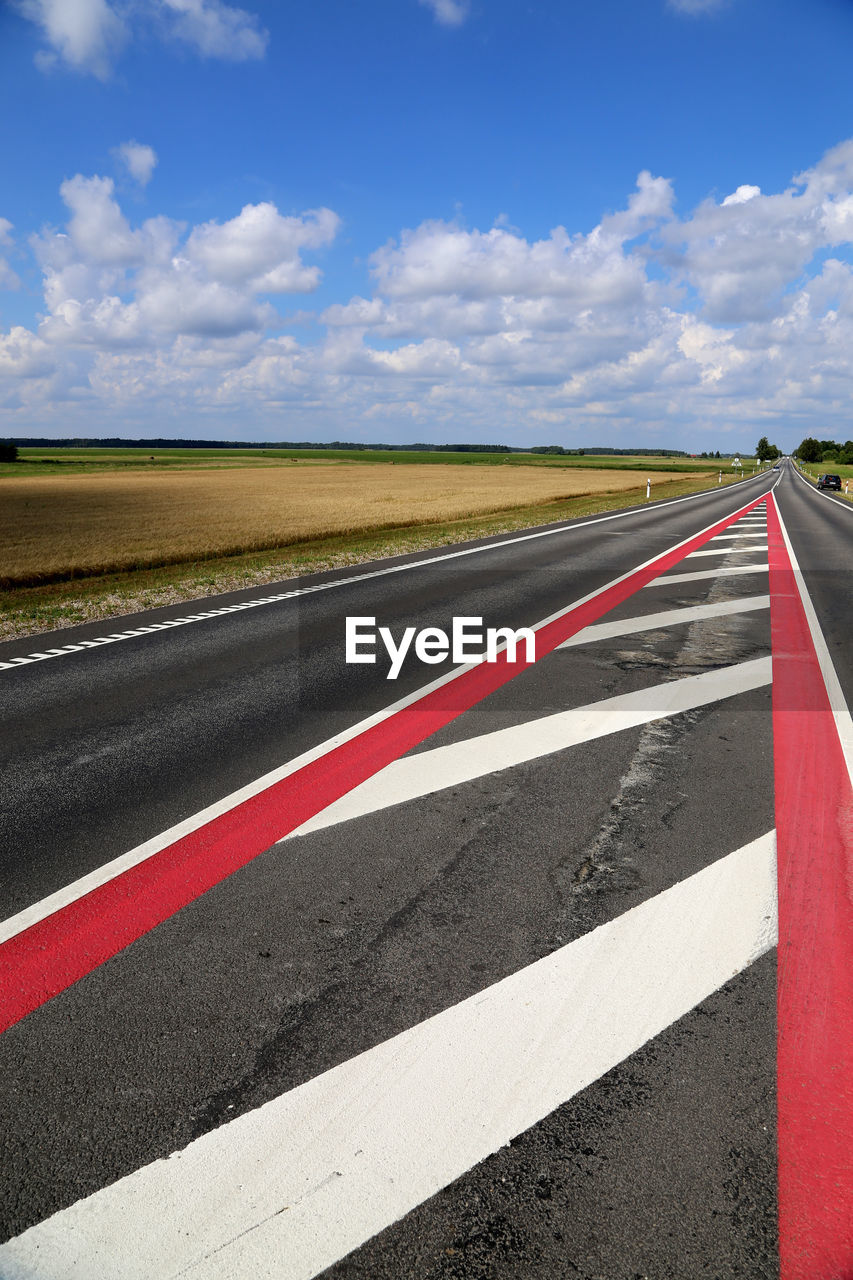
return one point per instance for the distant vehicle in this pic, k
(829, 482)
(775, 468)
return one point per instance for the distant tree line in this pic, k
(630, 453)
(115, 442)
(812, 450)
(8, 451)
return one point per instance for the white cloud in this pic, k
(712, 349)
(24, 355)
(450, 13)
(8, 279)
(647, 205)
(742, 195)
(138, 159)
(97, 228)
(260, 248)
(108, 283)
(88, 35)
(735, 315)
(443, 258)
(432, 358)
(216, 30)
(743, 255)
(84, 34)
(832, 175)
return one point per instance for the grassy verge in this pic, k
(814, 469)
(31, 610)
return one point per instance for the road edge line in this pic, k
(814, 825)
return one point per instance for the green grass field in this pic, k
(45, 461)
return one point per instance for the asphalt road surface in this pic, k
(483, 985)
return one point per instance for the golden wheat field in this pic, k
(52, 526)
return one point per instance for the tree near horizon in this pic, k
(831, 451)
(810, 450)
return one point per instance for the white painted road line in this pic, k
(727, 551)
(733, 537)
(426, 772)
(108, 871)
(294, 1186)
(673, 579)
(69, 893)
(837, 701)
(668, 618)
(343, 582)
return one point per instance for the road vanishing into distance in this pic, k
(470, 973)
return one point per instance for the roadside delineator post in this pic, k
(648, 488)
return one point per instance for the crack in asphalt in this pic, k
(612, 864)
(375, 969)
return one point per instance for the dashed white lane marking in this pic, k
(727, 551)
(668, 618)
(117, 866)
(338, 582)
(294, 1186)
(673, 579)
(422, 774)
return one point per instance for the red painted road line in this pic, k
(814, 835)
(51, 955)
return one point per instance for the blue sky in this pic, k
(427, 220)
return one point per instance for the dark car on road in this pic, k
(829, 482)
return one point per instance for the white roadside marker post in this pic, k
(648, 488)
